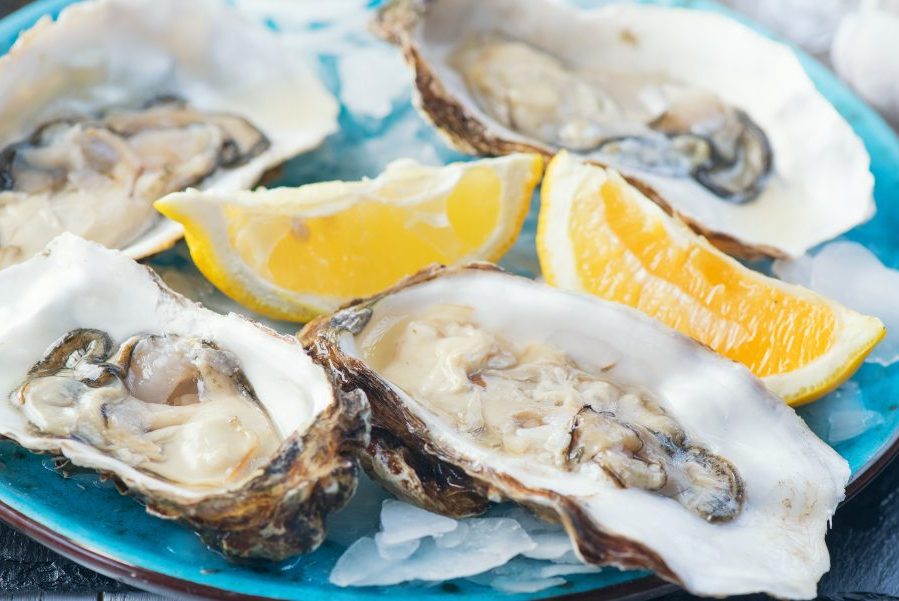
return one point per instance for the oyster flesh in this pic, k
(709, 118)
(98, 178)
(119, 115)
(651, 450)
(211, 420)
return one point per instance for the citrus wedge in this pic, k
(293, 253)
(598, 234)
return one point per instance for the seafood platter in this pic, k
(438, 298)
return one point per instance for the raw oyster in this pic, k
(651, 450)
(129, 100)
(709, 118)
(211, 420)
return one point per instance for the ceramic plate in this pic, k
(89, 521)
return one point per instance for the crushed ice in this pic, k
(508, 549)
(373, 78)
(841, 415)
(852, 275)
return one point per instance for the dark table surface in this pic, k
(864, 542)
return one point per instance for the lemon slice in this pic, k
(598, 234)
(293, 253)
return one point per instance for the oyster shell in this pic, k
(713, 121)
(211, 420)
(651, 450)
(129, 100)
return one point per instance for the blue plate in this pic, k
(87, 520)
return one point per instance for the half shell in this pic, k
(749, 489)
(125, 56)
(213, 420)
(714, 121)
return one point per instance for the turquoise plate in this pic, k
(88, 521)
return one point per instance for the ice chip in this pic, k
(550, 545)
(564, 569)
(846, 425)
(453, 538)
(852, 275)
(402, 522)
(507, 584)
(506, 549)
(523, 575)
(373, 79)
(841, 415)
(359, 564)
(396, 550)
(491, 542)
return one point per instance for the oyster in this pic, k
(211, 420)
(670, 97)
(165, 99)
(651, 450)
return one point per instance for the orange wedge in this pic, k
(600, 235)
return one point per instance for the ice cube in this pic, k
(396, 550)
(360, 564)
(402, 522)
(852, 275)
(841, 415)
(453, 538)
(508, 584)
(550, 545)
(491, 542)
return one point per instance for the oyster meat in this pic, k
(98, 178)
(659, 125)
(211, 420)
(651, 450)
(117, 116)
(715, 122)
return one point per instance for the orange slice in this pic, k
(600, 235)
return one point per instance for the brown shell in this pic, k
(395, 23)
(410, 463)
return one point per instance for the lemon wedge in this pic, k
(294, 253)
(600, 235)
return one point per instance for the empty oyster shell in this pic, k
(651, 450)
(129, 100)
(715, 122)
(212, 420)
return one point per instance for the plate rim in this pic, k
(638, 589)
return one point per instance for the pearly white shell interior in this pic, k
(821, 185)
(79, 284)
(793, 480)
(107, 53)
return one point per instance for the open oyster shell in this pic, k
(212, 420)
(715, 122)
(651, 450)
(128, 100)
